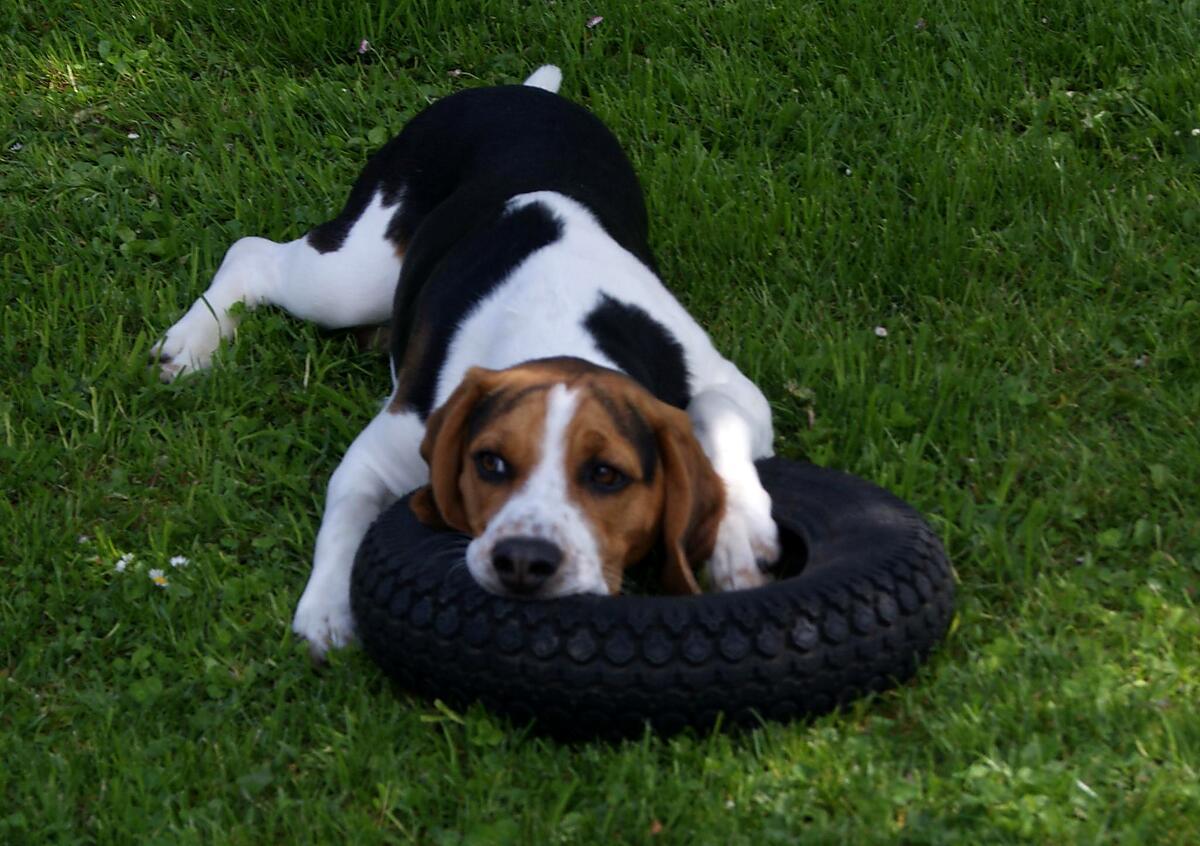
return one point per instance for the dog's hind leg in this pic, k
(341, 274)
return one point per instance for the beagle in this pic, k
(551, 398)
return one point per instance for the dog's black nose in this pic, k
(524, 564)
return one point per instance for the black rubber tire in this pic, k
(872, 595)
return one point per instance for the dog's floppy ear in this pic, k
(694, 501)
(440, 503)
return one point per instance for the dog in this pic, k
(551, 398)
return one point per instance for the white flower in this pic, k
(123, 562)
(880, 332)
(594, 21)
(1196, 132)
(159, 578)
(83, 539)
(132, 136)
(179, 561)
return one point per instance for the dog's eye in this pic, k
(491, 467)
(606, 478)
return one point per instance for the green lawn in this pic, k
(1010, 190)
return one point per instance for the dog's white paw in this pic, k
(747, 540)
(323, 619)
(189, 345)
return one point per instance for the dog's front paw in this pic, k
(324, 621)
(189, 344)
(747, 541)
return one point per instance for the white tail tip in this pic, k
(547, 77)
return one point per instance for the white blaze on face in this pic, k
(542, 509)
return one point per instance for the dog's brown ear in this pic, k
(423, 506)
(694, 501)
(440, 503)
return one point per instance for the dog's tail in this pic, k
(547, 77)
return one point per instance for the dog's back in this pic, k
(460, 159)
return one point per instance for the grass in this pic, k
(1012, 191)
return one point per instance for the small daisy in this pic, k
(179, 561)
(1196, 132)
(594, 21)
(132, 136)
(82, 539)
(363, 46)
(159, 578)
(880, 332)
(123, 562)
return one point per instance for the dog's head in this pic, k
(565, 474)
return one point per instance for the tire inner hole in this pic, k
(793, 557)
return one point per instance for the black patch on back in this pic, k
(641, 347)
(491, 144)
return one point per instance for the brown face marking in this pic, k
(512, 430)
(633, 426)
(498, 403)
(626, 517)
